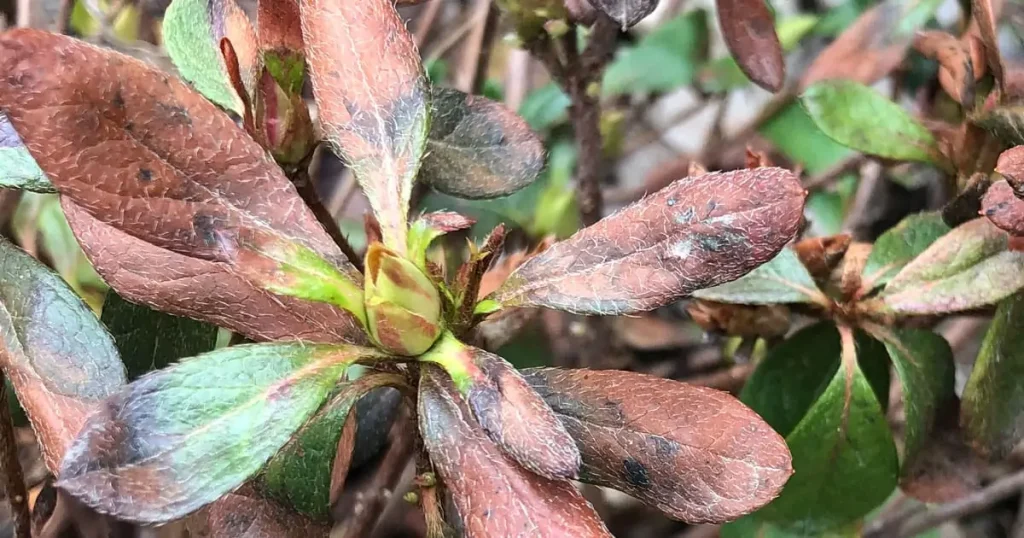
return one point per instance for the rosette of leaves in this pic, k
(182, 210)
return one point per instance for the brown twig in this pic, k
(426, 21)
(304, 185)
(476, 51)
(10, 468)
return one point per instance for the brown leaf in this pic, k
(1011, 166)
(492, 495)
(764, 321)
(241, 516)
(822, 254)
(499, 272)
(866, 51)
(695, 453)
(956, 72)
(203, 290)
(696, 233)
(1003, 208)
(985, 14)
(278, 26)
(945, 470)
(749, 31)
(373, 99)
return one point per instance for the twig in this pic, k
(517, 79)
(304, 185)
(476, 52)
(10, 468)
(426, 21)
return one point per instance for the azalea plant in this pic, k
(194, 200)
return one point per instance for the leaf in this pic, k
(696, 233)
(300, 474)
(843, 454)
(545, 107)
(782, 280)
(477, 148)
(924, 364)
(57, 356)
(1011, 166)
(796, 135)
(994, 397)
(280, 31)
(956, 69)
(985, 16)
(709, 460)
(18, 170)
(1005, 122)
(193, 30)
(374, 100)
(626, 12)
(1001, 206)
(969, 267)
(180, 438)
(511, 413)
(663, 60)
(899, 245)
(724, 74)
(861, 118)
(244, 516)
(493, 496)
(148, 340)
(749, 31)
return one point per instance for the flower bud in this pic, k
(403, 307)
(283, 120)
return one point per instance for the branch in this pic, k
(10, 468)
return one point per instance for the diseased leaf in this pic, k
(180, 438)
(193, 30)
(993, 400)
(1011, 166)
(53, 350)
(663, 60)
(511, 412)
(148, 340)
(749, 31)
(899, 245)
(985, 15)
(18, 170)
(494, 496)
(1001, 206)
(861, 118)
(782, 280)
(969, 267)
(626, 12)
(477, 148)
(696, 233)
(279, 28)
(1005, 122)
(244, 516)
(724, 74)
(956, 69)
(708, 460)
(843, 454)
(374, 100)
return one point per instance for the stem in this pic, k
(304, 185)
(10, 467)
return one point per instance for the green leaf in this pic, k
(899, 245)
(861, 118)
(753, 527)
(477, 148)
(924, 364)
(149, 340)
(795, 134)
(992, 411)
(545, 107)
(826, 210)
(58, 357)
(843, 454)
(427, 228)
(186, 435)
(663, 60)
(967, 268)
(1005, 122)
(18, 170)
(782, 280)
(192, 31)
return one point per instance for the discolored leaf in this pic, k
(494, 496)
(279, 28)
(245, 516)
(1001, 206)
(511, 413)
(749, 31)
(985, 16)
(148, 340)
(968, 267)
(18, 170)
(179, 438)
(59, 359)
(477, 148)
(1005, 122)
(994, 397)
(1011, 166)
(374, 100)
(956, 68)
(696, 233)
(626, 12)
(724, 74)
(861, 118)
(193, 30)
(709, 460)
(843, 454)
(782, 280)
(663, 60)
(899, 245)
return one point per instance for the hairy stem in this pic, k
(10, 467)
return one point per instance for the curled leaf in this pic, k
(710, 459)
(373, 97)
(696, 233)
(179, 438)
(18, 170)
(956, 68)
(749, 31)
(1011, 166)
(477, 148)
(494, 496)
(1002, 206)
(60, 360)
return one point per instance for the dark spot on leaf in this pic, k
(686, 216)
(118, 99)
(636, 473)
(145, 174)
(175, 115)
(665, 448)
(712, 205)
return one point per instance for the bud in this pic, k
(403, 307)
(283, 120)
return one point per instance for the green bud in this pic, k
(283, 120)
(403, 306)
